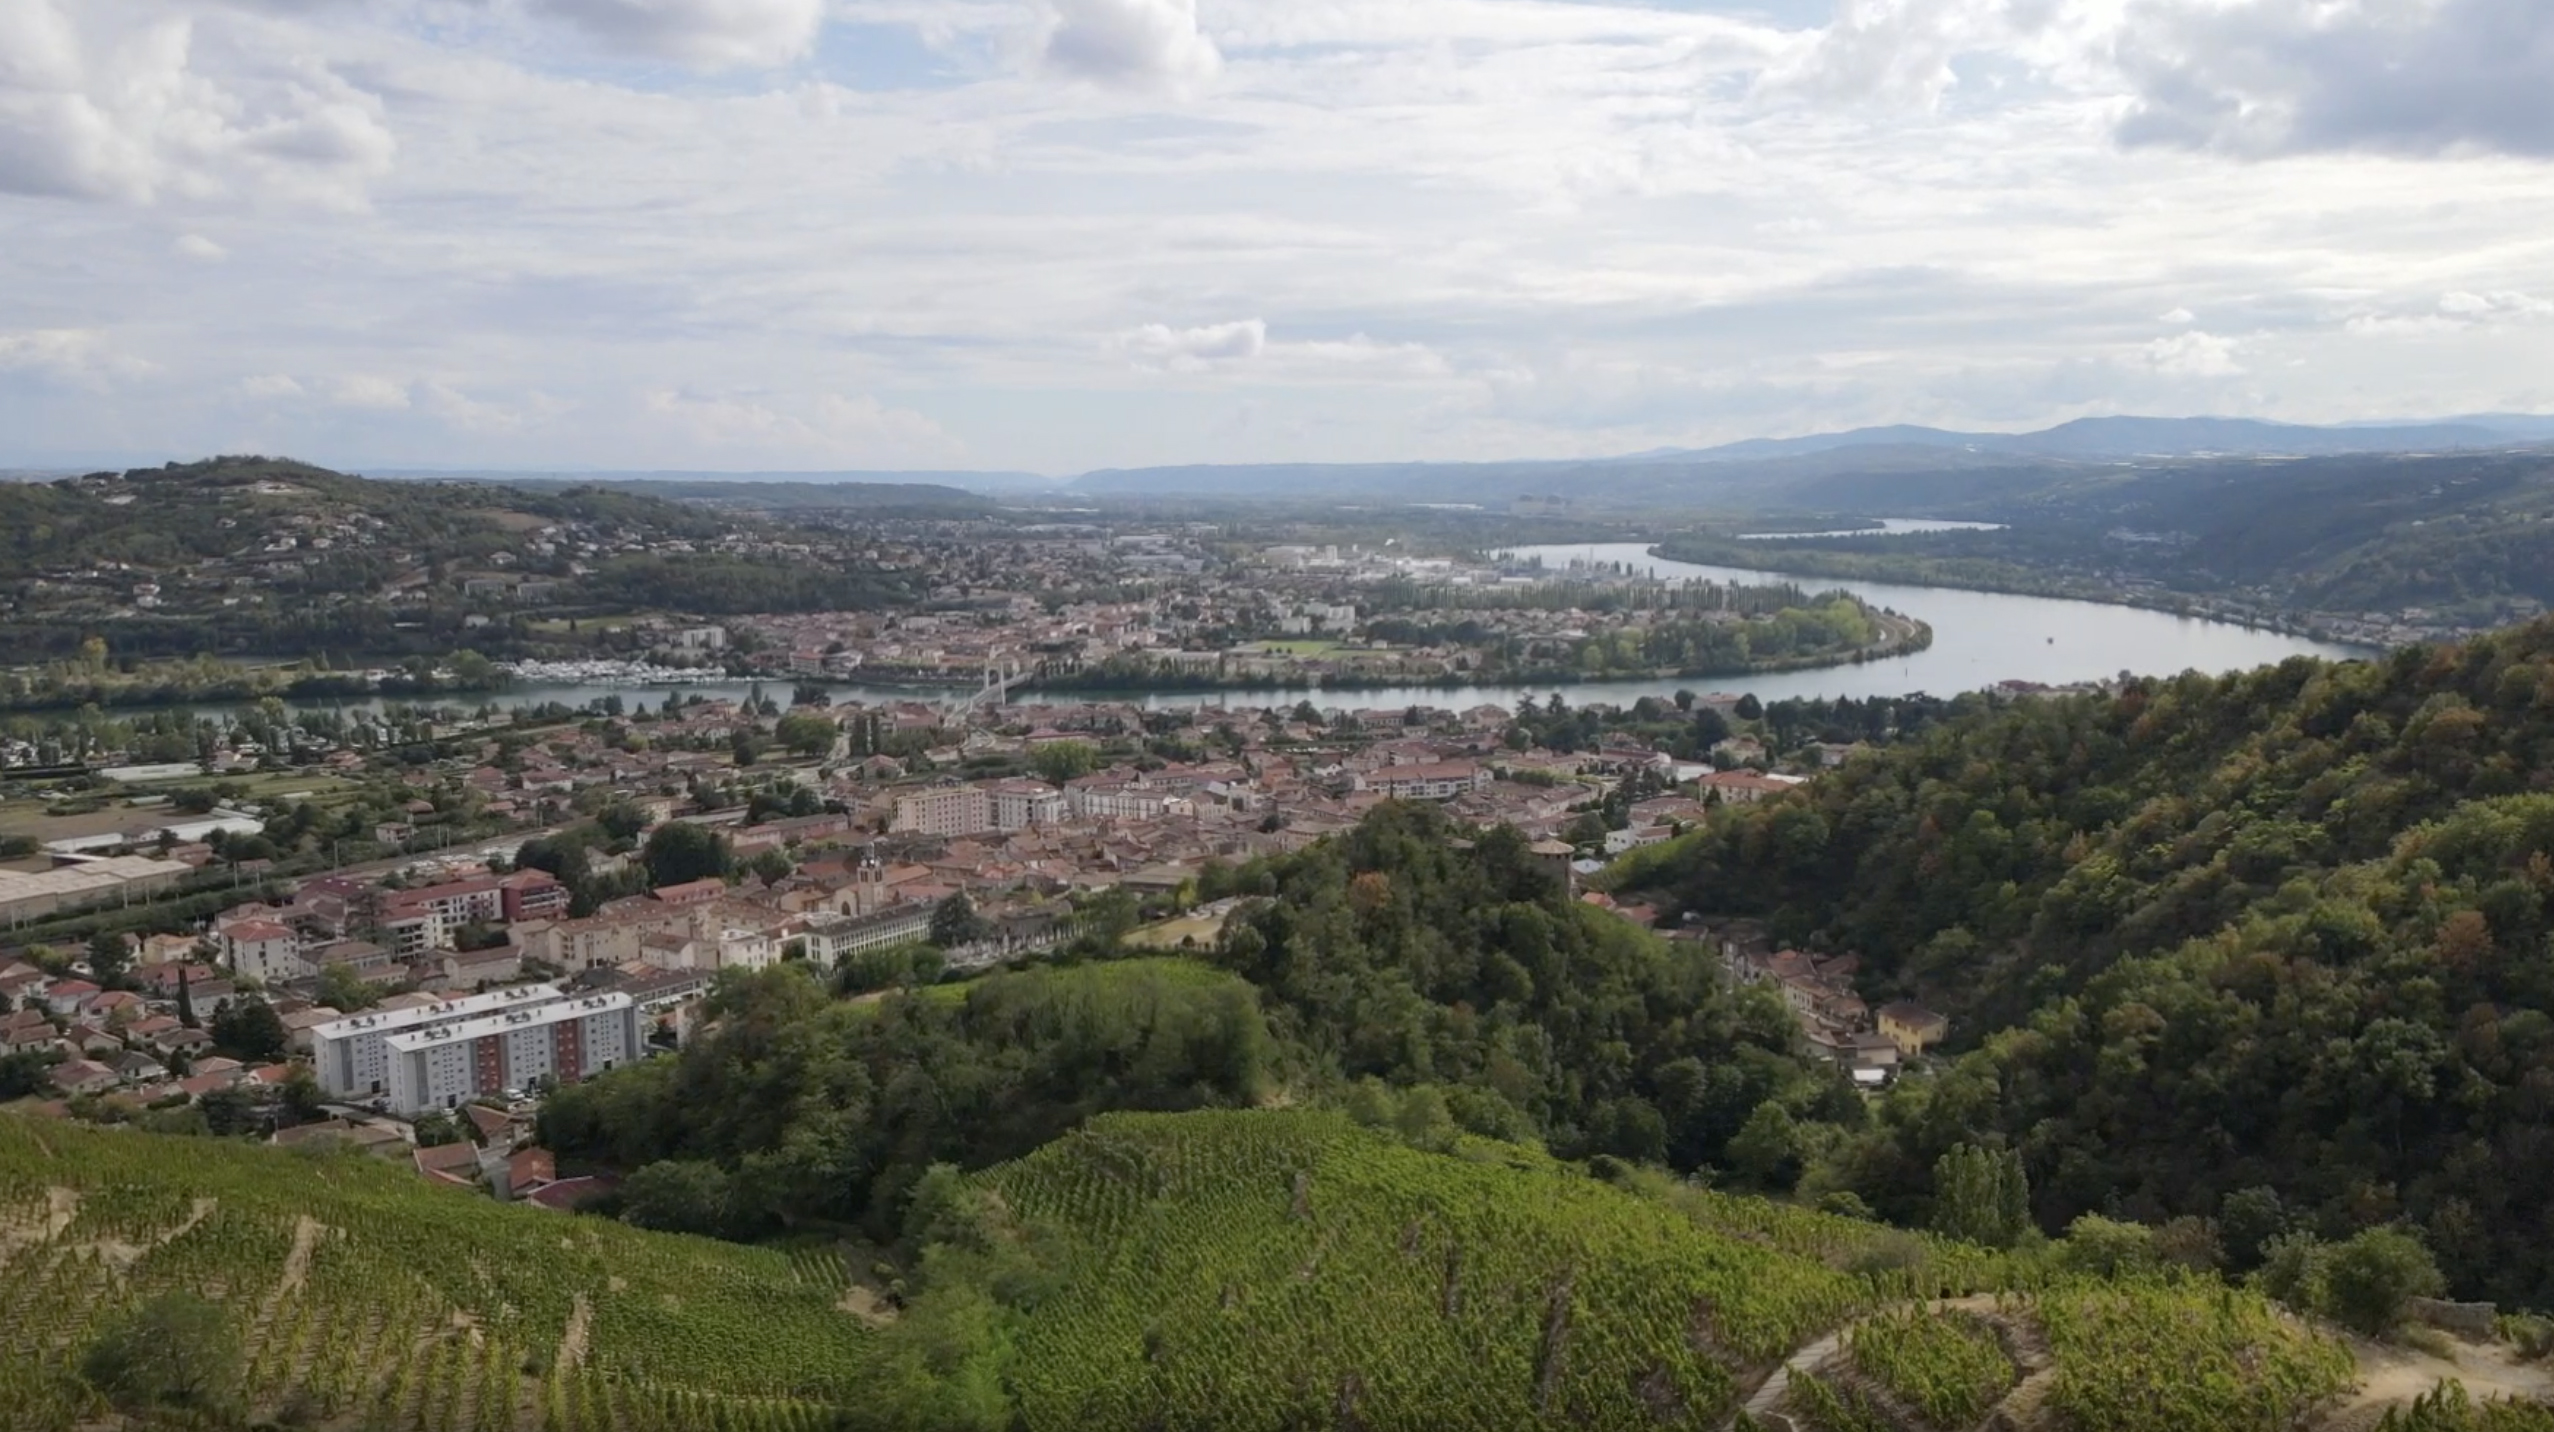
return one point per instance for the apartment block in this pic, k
(443, 1065)
(350, 1056)
(945, 811)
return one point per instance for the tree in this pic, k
(680, 1196)
(680, 851)
(436, 1130)
(2292, 1270)
(176, 1351)
(110, 959)
(229, 1113)
(341, 989)
(771, 867)
(24, 1072)
(807, 733)
(2106, 1247)
(1710, 729)
(1061, 761)
(248, 1029)
(186, 1002)
(1749, 708)
(1767, 1150)
(2368, 1280)
(956, 923)
(2247, 1220)
(303, 1096)
(1981, 1194)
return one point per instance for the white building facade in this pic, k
(350, 1056)
(445, 1065)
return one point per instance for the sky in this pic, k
(1056, 235)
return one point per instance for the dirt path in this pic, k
(124, 1255)
(572, 1341)
(202, 1209)
(2391, 1375)
(1765, 1403)
(306, 1231)
(61, 1205)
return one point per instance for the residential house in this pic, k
(1912, 1027)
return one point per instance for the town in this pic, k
(446, 921)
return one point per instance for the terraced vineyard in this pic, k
(1265, 1270)
(2147, 1356)
(1235, 1269)
(1947, 1366)
(364, 1295)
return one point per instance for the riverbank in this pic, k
(1773, 554)
(1974, 639)
(1902, 635)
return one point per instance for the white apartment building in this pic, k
(264, 950)
(944, 810)
(1130, 802)
(830, 938)
(443, 1065)
(411, 933)
(350, 1056)
(747, 950)
(1019, 805)
(1436, 781)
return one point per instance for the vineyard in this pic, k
(1233, 1269)
(2147, 1356)
(1264, 1270)
(366, 1297)
(1947, 1366)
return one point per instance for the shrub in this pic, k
(2369, 1279)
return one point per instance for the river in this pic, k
(1979, 639)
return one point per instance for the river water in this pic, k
(1979, 639)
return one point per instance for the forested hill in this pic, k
(271, 556)
(1409, 955)
(2467, 536)
(2281, 931)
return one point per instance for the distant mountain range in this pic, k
(2114, 438)
(1759, 470)
(1756, 472)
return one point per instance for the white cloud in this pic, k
(2483, 307)
(1358, 358)
(709, 34)
(75, 355)
(1159, 347)
(740, 429)
(2193, 355)
(104, 100)
(368, 390)
(2264, 77)
(2456, 312)
(1145, 43)
(1892, 51)
(269, 387)
(196, 246)
(2177, 316)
